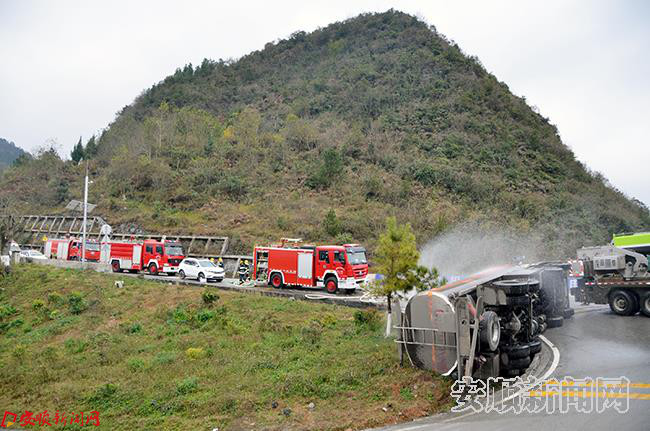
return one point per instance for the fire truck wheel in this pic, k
(115, 266)
(276, 280)
(331, 285)
(645, 304)
(555, 322)
(181, 274)
(153, 269)
(623, 303)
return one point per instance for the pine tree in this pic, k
(91, 148)
(396, 260)
(77, 153)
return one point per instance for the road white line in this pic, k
(547, 374)
(556, 357)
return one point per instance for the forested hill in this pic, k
(8, 153)
(325, 134)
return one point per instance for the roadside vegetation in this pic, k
(160, 356)
(323, 136)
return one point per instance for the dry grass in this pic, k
(126, 355)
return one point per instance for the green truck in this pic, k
(617, 274)
(638, 242)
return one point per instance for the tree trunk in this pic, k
(389, 320)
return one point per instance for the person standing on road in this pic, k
(243, 271)
(220, 263)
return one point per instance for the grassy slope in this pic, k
(126, 355)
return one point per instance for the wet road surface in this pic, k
(593, 344)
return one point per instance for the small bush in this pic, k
(187, 386)
(205, 315)
(38, 305)
(7, 310)
(55, 299)
(54, 314)
(209, 297)
(135, 364)
(195, 353)
(76, 303)
(135, 328)
(367, 319)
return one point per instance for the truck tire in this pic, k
(331, 285)
(520, 363)
(153, 269)
(535, 347)
(514, 287)
(517, 300)
(489, 330)
(645, 304)
(276, 280)
(516, 352)
(115, 266)
(555, 322)
(623, 303)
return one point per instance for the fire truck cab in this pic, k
(151, 255)
(334, 267)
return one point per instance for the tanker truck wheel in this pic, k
(623, 303)
(555, 322)
(489, 330)
(115, 266)
(515, 287)
(645, 304)
(535, 347)
(331, 285)
(153, 269)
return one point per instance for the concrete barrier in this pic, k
(71, 264)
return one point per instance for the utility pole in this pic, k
(83, 240)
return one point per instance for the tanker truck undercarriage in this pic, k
(486, 325)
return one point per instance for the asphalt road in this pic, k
(595, 343)
(356, 298)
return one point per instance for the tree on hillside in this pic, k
(91, 148)
(8, 222)
(77, 153)
(397, 257)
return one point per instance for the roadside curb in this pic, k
(348, 301)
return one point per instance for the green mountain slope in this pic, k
(325, 134)
(9, 152)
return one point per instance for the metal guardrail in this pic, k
(34, 227)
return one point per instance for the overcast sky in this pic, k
(66, 67)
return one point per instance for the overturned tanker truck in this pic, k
(486, 325)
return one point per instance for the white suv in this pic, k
(201, 269)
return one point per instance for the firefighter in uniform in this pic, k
(243, 271)
(220, 263)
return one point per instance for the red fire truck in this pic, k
(152, 255)
(333, 267)
(70, 249)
